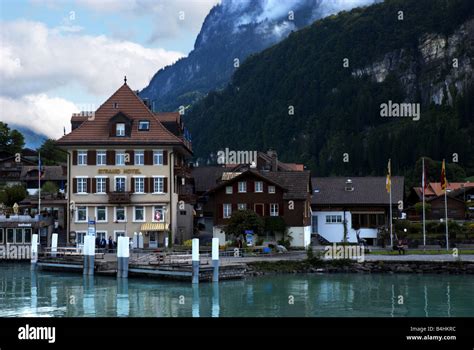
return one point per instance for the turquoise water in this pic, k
(27, 293)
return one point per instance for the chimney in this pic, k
(349, 187)
(274, 159)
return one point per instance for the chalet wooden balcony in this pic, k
(120, 197)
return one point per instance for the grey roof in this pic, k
(206, 177)
(367, 190)
(296, 182)
(50, 172)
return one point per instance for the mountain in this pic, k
(336, 75)
(232, 30)
(33, 139)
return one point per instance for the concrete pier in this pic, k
(195, 260)
(215, 259)
(89, 255)
(54, 244)
(34, 250)
(123, 256)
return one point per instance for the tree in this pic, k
(3, 197)
(275, 224)
(242, 220)
(50, 188)
(15, 194)
(11, 141)
(51, 154)
(419, 208)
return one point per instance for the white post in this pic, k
(166, 242)
(54, 244)
(89, 254)
(34, 249)
(215, 259)
(123, 255)
(85, 252)
(135, 240)
(140, 240)
(195, 259)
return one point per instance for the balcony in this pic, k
(120, 197)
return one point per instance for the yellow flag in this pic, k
(444, 182)
(388, 183)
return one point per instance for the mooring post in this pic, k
(54, 244)
(215, 259)
(195, 259)
(85, 253)
(34, 250)
(91, 255)
(123, 254)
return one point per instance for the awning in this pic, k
(154, 226)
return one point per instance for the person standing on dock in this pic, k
(111, 243)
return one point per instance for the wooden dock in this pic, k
(176, 268)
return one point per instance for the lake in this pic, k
(45, 294)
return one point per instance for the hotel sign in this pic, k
(119, 171)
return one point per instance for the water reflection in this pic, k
(88, 300)
(26, 292)
(195, 300)
(216, 308)
(123, 300)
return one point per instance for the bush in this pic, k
(15, 194)
(285, 242)
(309, 253)
(3, 197)
(188, 243)
(50, 188)
(242, 220)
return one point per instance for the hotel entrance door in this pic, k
(153, 239)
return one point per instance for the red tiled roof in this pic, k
(96, 130)
(168, 116)
(434, 188)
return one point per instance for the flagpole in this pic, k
(39, 182)
(390, 189)
(423, 186)
(446, 214)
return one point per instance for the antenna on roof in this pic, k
(125, 80)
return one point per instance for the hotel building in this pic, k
(127, 172)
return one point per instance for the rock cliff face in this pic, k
(435, 70)
(232, 31)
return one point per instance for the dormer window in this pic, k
(120, 129)
(144, 125)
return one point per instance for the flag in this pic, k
(388, 183)
(424, 182)
(444, 182)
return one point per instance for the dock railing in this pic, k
(67, 252)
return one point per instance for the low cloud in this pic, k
(36, 59)
(167, 14)
(39, 113)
